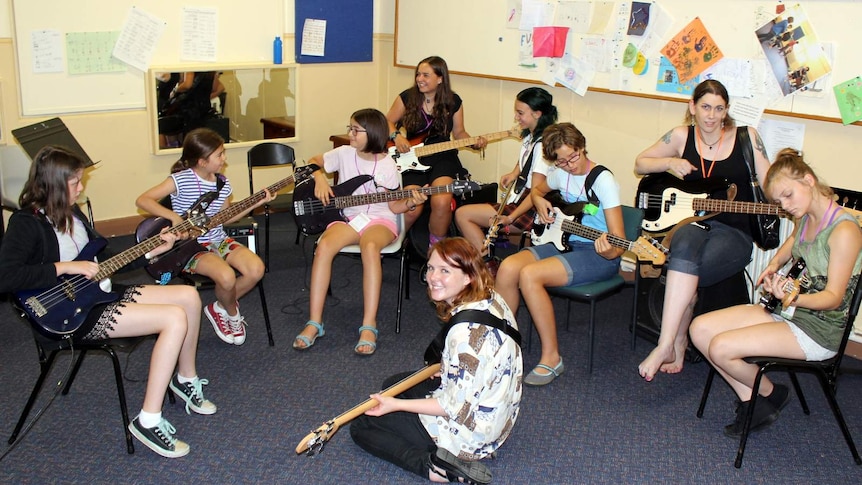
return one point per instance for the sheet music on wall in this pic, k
(200, 34)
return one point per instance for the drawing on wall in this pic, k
(668, 80)
(692, 50)
(848, 95)
(792, 50)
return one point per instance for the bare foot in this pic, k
(679, 357)
(654, 361)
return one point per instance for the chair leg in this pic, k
(45, 368)
(75, 369)
(266, 239)
(592, 336)
(746, 427)
(265, 310)
(706, 388)
(829, 391)
(402, 273)
(798, 389)
(121, 393)
(634, 323)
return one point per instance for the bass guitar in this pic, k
(567, 222)
(312, 216)
(410, 160)
(168, 265)
(796, 280)
(493, 263)
(314, 442)
(61, 310)
(667, 200)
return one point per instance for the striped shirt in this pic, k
(190, 187)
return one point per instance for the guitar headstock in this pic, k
(314, 442)
(303, 172)
(648, 249)
(459, 187)
(198, 220)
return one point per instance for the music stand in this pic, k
(49, 132)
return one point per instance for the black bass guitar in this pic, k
(60, 310)
(796, 280)
(312, 216)
(667, 201)
(567, 221)
(170, 264)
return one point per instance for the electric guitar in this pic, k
(796, 280)
(567, 222)
(312, 216)
(314, 442)
(61, 310)
(170, 264)
(410, 160)
(667, 200)
(493, 263)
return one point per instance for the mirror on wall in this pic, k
(243, 103)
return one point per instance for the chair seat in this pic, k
(589, 290)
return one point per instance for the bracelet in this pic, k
(394, 135)
(411, 209)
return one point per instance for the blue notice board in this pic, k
(349, 25)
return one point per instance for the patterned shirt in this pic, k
(480, 388)
(190, 187)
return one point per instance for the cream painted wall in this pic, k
(616, 127)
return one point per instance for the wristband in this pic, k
(394, 135)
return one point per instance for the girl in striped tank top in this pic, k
(194, 174)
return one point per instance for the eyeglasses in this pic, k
(574, 158)
(355, 130)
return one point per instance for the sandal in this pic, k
(309, 341)
(368, 343)
(458, 470)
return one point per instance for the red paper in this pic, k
(549, 41)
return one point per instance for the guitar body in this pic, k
(667, 200)
(554, 233)
(408, 160)
(770, 302)
(62, 309)
(166, 266)
(312, 217)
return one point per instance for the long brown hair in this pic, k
(47, 187)
(710, 86)
(444, 100)
(459, 253)
(790, 163)
(198, 143)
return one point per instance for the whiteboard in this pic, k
(245, 31)
(476, 41)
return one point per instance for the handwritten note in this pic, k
(313, 38)
(138, 39)
(90, 52)
(200, 34)
(47, 49)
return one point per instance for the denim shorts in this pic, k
(583, 265)
(712, 255)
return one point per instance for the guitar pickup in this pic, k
(670, 202)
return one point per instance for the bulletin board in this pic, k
(477, 42)
(244, 34)
(349, 25)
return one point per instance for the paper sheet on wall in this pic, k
(575, 74)
(573, 14)
(746, 111)
(596, 51)
(777, 135)
(602, 12)
(47, 48)
(313, 38)
(90, 52)
(513, 14)
(200, 34)
(526, 61)
(536, 13)
(657, 30)
(138, 38)
(734, 74)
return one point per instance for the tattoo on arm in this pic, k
(760, 146)
(666, 137)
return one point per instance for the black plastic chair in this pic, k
(270, 154)
(47, 350)
(827, 374)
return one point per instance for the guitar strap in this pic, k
(435, 349)
(525, 170)
(591, 179)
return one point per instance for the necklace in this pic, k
(710, 145)
(703, 171)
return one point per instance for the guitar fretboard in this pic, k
(450, 145)
(739, 207)
(593, 234)
(112, 265)
(246, 204)
(375, 197)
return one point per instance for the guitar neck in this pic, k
(375, 197)
(112, 265)
(450, 145)
(246, 204)
(592, 234)
(739, 207)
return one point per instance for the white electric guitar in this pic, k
(410, 160)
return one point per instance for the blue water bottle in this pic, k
(276, 50)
